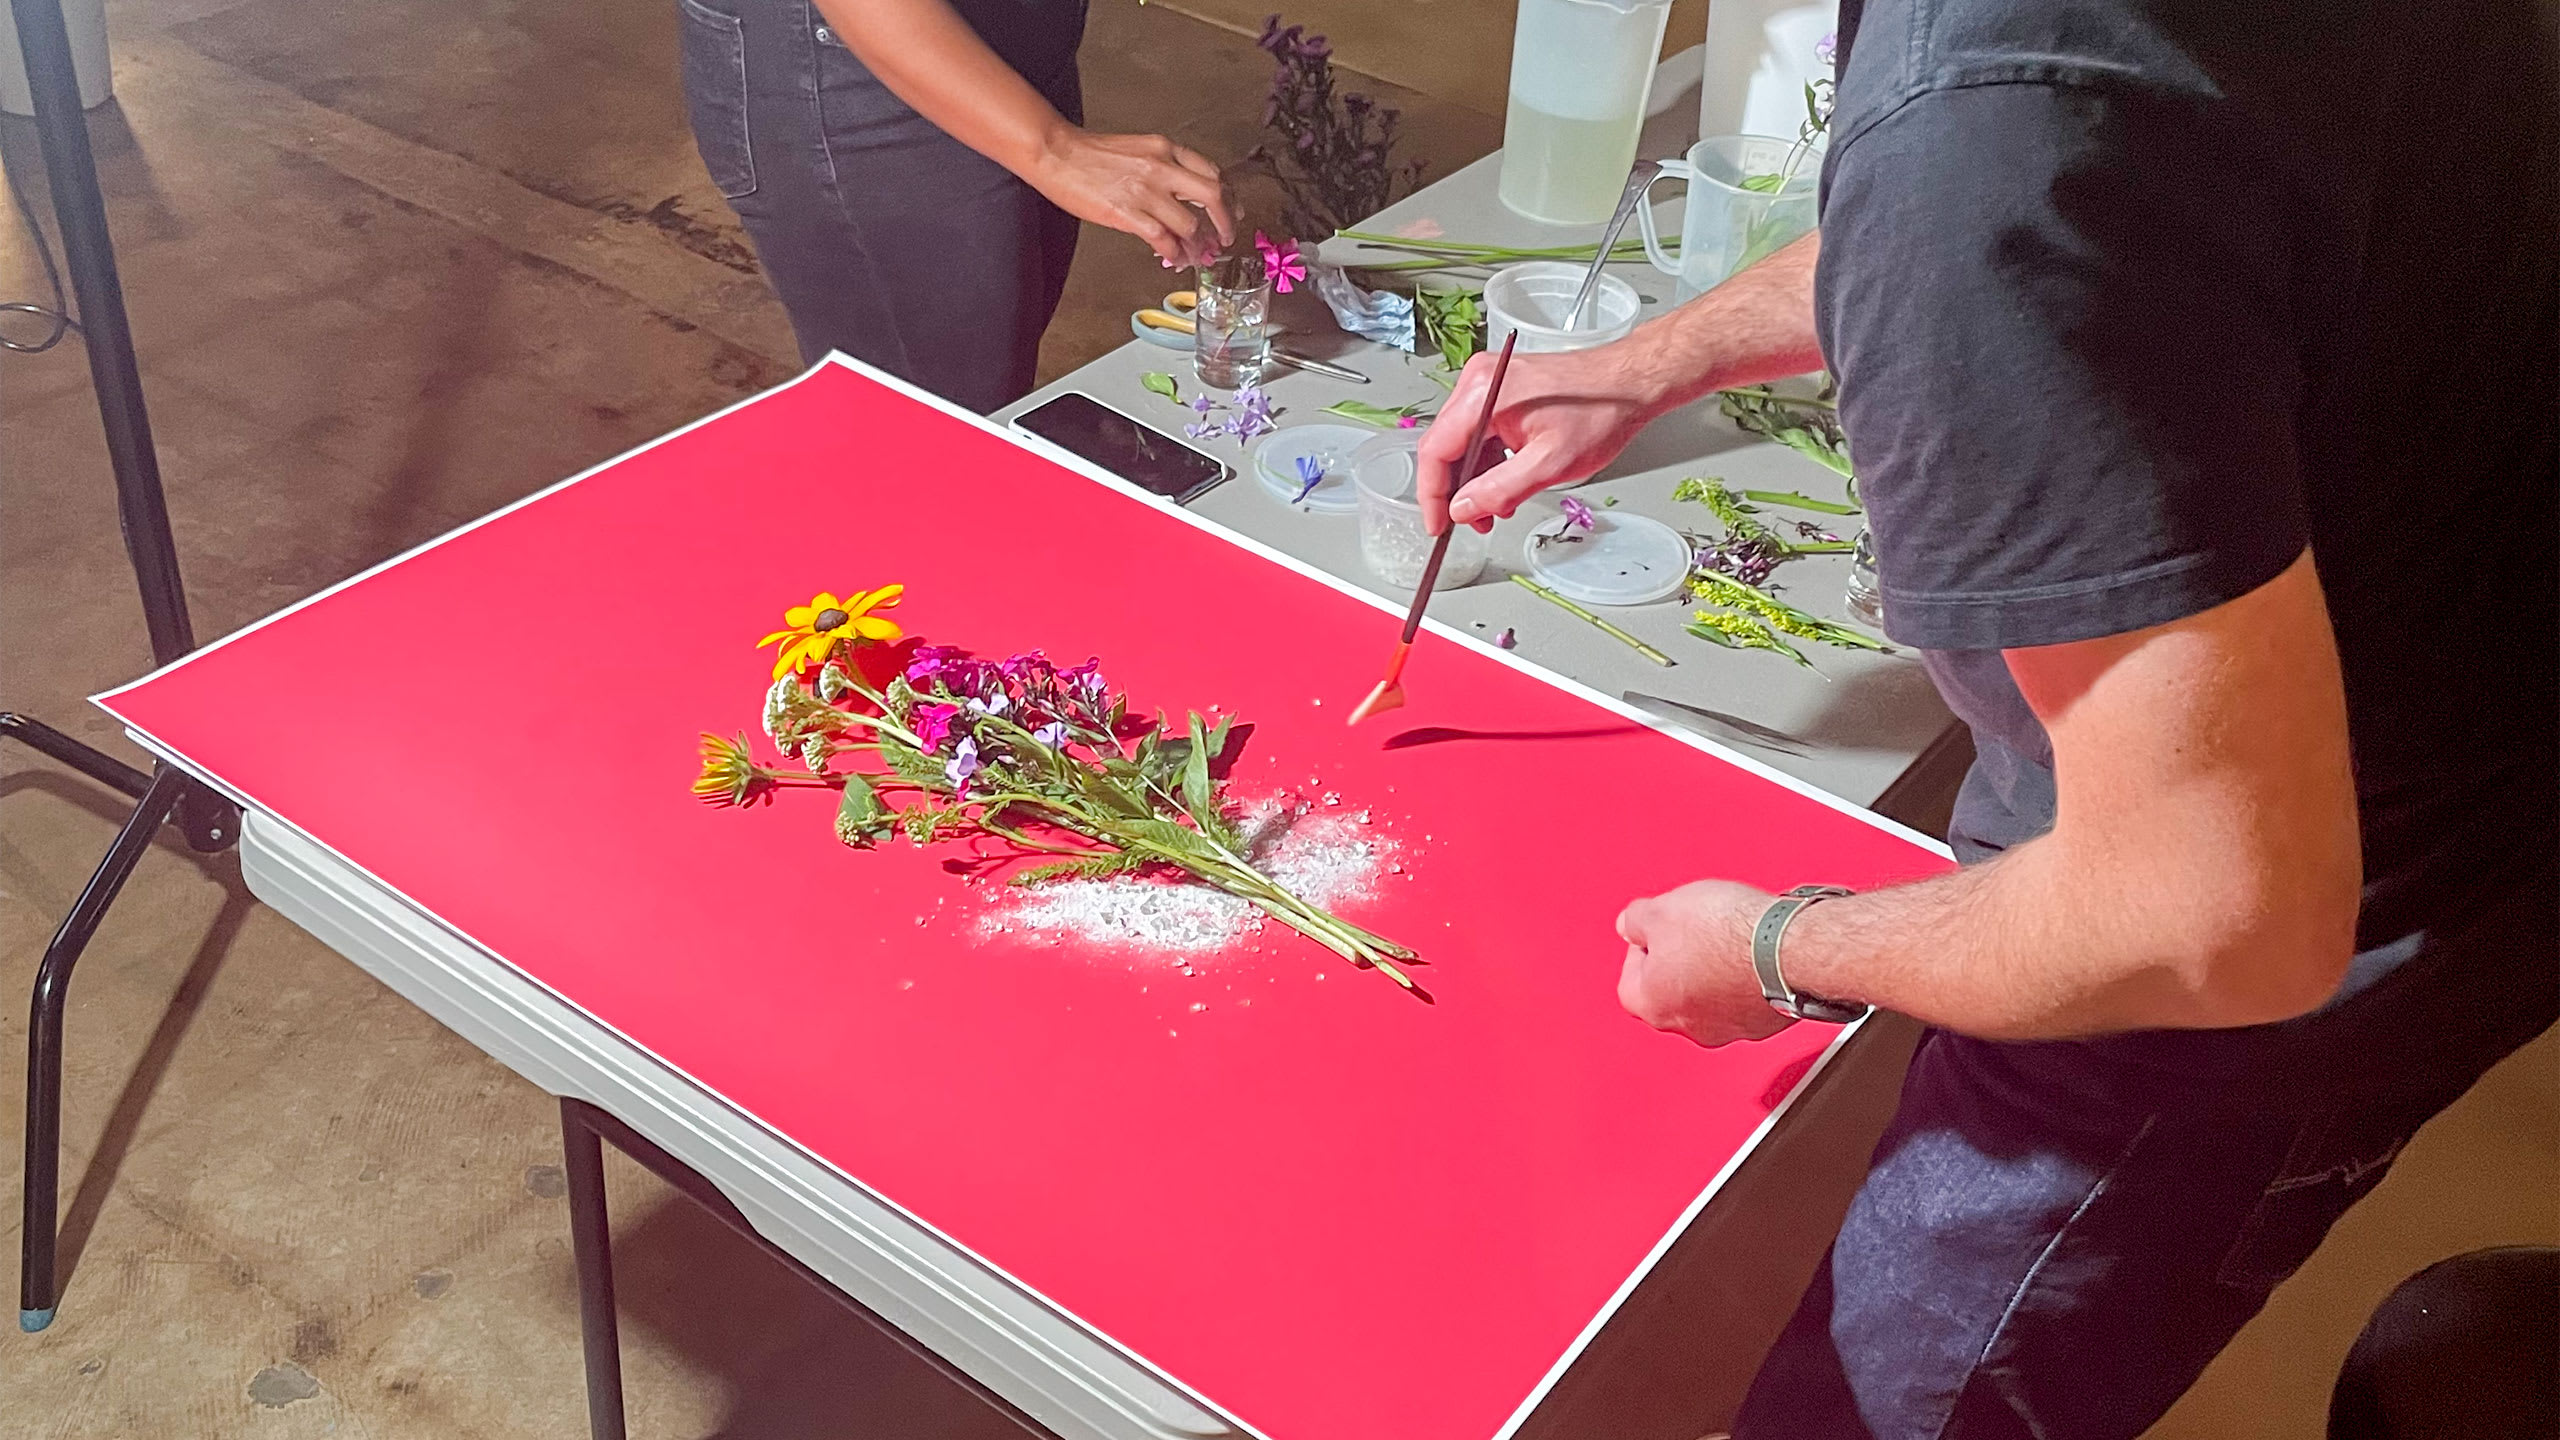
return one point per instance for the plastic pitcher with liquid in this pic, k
(1580, 70)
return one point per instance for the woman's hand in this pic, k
(1163, 193)
(1563, 417)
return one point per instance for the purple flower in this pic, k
(1576, 513)
(933, 723)
(962, 764)
(1311, 472)
(931, 661)
(996, 703)
(1053, 734)
(1506, 639)
(1826, 48)
(1204, 404)
(1253, 413)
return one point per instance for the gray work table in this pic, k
(1868, 728)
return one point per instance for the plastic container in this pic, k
(1760, 54)
(1532, 298)
(1726, 227)
(1620, 560)
(1331, 447)
(1392, 540)
(1581, 71)
(85, 21)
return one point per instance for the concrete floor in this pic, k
(390, 267)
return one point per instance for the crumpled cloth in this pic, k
(1381, 316)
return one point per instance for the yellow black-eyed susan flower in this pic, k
(813, 631)
(729, 771)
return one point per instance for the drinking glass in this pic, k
(1231, 341)
(1866, 593)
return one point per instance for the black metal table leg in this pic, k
(591, 1236)
(583, 1127)
(37, 1290)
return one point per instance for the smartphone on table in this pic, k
(1136, 452)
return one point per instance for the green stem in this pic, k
(1797, 499)
(1570, 608)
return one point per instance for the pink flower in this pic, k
(1408, 422)
(933, 722)
(1282, 262)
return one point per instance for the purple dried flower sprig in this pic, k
(1329, 153)
(1249, 415)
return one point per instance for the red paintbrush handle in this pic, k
(1469, 467)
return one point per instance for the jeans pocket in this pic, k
(715, 95)
(2335, 1160)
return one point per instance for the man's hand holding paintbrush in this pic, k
(1565, 416)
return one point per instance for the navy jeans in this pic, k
(884, 237)
(2056, 1237)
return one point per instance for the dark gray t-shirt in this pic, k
(2130, 302)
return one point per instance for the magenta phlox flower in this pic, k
(931, 660)
(962, 764)
(1576, 513)
(932, 722)
(1408, 422)
(1281, 261)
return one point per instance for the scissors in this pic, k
(1172, 327)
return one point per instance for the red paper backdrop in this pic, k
(1337, 1212)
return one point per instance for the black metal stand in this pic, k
(582, 1129)
(209, 822)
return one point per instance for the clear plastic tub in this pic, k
(1392, 540)
(1532, 298)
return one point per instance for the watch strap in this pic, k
(1765, 937)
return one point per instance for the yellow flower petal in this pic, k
(799, 616)
(776, 635)
(826, 601)
(872, 627)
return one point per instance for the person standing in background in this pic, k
(912, 173)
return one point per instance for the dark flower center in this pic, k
(830, 620)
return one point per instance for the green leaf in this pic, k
(1763, 184)
(1199, 795)
(1091, 867)
(913, 764)
(1381, 416)
(1162, 384)
(860, 817)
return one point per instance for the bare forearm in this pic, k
(2027, 946)
(1753, 328)
(930, 58)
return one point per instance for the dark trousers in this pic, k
(884, 237)
(2055, 1238)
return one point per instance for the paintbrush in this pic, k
(1390, 692)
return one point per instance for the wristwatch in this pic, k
(1785, 999)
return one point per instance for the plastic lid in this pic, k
(1275, 463)
(1385, 466)
(1620, 560)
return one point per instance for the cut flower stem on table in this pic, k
(1046, 761)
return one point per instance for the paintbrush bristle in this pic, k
(1387, 696)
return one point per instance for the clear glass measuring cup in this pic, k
(1748, 195)
(1580, 73)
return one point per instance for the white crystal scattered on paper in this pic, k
(1326, 858)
